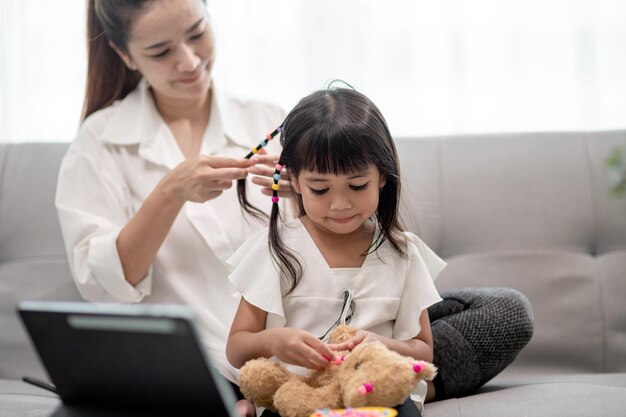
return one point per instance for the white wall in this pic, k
(433, 67)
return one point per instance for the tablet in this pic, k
(127, 357)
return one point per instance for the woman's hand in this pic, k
(299, 347)
(361, 336)
(264, 167)
(204, 177)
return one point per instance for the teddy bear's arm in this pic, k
(298, 399)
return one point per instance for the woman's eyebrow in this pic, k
(194, 26)
(187, 32)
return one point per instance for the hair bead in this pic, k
(264, 142)
(275, 199)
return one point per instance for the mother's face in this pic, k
(172, 45)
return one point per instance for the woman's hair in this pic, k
(108, 78)
(338, 131)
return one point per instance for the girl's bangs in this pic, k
(337, 153)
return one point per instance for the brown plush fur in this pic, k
(392, 376)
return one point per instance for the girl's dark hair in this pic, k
(339, 131)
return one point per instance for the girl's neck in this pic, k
(341, 250)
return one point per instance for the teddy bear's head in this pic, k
(374, 375)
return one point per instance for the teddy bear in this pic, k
(369, 375)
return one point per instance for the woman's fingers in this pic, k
(265, 159)
(268, 182)
(217, 161)
(266, 166)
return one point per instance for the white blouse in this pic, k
(386, 295)
(389, 291)
(120, 154)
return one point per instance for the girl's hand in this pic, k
(245, 408)
(203, 178)
(299, 347)
(361, 336)
(264, 168)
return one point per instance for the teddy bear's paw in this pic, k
(259, 379)
(425, 370)
(298, 399)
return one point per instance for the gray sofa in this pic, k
(529, 211)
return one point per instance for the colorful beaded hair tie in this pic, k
(275, 186)
(278, 167)
(264, 142)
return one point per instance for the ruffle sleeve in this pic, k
(419, 288)
(257, 280)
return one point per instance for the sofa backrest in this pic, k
(529, 211)
(33, 264)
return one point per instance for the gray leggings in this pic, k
(477, 332)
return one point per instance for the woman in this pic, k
(156, 141)
(145, 195)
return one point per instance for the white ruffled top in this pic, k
(389, 292)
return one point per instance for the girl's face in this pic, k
(340, 203)
(171, 44)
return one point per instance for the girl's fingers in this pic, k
(348, 344)
(317, 361)
(322, 353)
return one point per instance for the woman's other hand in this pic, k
(264, 167)
(204, 178)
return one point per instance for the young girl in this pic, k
(345, 258)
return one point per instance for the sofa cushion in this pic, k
(530, 211)
(30, 226)
(33, 264)
(564, 290)
(575, 395)
(612, 271)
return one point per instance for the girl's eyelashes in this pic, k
(352, 187)
(359, 187)
(318, 192)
